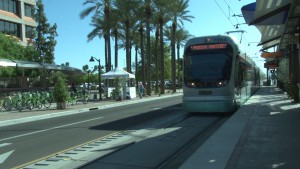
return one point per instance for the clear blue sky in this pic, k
(211, 17)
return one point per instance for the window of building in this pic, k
(29, 10)
(1, 5)
(9, 6)
(2, 26)
(29, 32)
(10, 28)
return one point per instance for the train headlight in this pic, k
(222, 83)
(191, 84)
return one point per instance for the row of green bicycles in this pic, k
(37, 99)
(80, 95)
(27, 100)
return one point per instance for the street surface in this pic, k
(27, 142)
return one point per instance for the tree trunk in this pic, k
(116, 48)
(173, 57)
(162, 59)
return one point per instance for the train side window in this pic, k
(238, 72)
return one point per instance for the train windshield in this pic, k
(207, 69)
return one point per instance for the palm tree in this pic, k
(181, 37)
(127, 13)
(178, 12)
(116, 31)
(100, 26)
(136, 44)
(96, 6)
(162, 8)
(148, 14)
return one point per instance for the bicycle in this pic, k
(5, 102)
(45, 99)
(35, 99)
(84, 95)
(24, 101)
(72, 99)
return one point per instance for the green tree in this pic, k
(127, 14)
(181, 37)
(45, 40)
(141, 44)
(161, 7)
(10, 48)
(101, 10)
(167, 62)
(60, 91)
(178, 13)
(148, 15)
(116, 31)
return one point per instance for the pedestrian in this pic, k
(84, 90)
(141, 89)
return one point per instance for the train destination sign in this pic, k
(209, 46)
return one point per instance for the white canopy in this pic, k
(7, 63)
(117, 73)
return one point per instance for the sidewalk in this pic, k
(15, 117)
(262, 134)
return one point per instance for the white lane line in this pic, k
(4, 144)
(40, 131)
(4, 156)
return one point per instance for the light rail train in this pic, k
(217, 77)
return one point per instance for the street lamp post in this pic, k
(99, 71)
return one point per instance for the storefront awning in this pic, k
(276, 20)
(7, 63)
(248, 12)
(28, 64)
(270, 12)
(269, 34)
(49, 66)
(273, 55)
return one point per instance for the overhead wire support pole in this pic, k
(238, 31)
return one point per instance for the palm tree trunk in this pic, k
(116, 48)
(148, 14)
(130, 60)
(162, 59)
(142, 54)
(105, 53)
(173, 57)
(156, 59)
(178, 63)
(107, 19)
(136, 65)
(109, 52)
(148, 56)
(127, 45)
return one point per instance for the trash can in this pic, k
(95, 96)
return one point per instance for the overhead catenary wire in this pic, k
(243, 37)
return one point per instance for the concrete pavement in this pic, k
(263, 134)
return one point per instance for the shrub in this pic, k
(60, 91)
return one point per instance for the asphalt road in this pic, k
(28, 142)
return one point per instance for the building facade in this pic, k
(17, 19)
